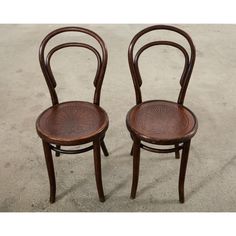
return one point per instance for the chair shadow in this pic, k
(117, 187)
(209, 178)
(71, 189)
(161, 201)
(122, 155)
(188, 195)
(127, 146)
(157, 158)
(153, 184)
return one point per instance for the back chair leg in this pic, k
(50, 168)
(131, 151)
(58, 153)
(98, 172)
(183, 167)
(177, 152)
(104, 148)
(136, 161)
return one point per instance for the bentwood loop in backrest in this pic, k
(188, 65)
(46, 59)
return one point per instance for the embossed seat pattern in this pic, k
(160, 120)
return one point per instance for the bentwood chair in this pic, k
(74, 122)
(161, 122)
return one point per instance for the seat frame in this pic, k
(137, 81)
(98, 140)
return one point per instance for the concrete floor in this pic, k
(211, 175)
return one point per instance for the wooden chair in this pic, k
(161, 122)
(74, 122)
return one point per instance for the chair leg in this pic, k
(136, 161)
(98, 172)
(177, 152)
(50, 168)
(183, 167)
(104, 148)
(58, 153)
(131, 151)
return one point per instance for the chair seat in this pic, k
(161, 122)
(72, 123)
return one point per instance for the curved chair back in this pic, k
(46, 65)
(188, 66)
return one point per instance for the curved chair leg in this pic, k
(104, 148)
(58, 153)
(50, 168)
(177, 152)
(98, 172)
(136, 161)
(131, 151)
(183, 167)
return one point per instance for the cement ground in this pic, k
(211, 174)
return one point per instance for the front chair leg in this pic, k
(104, 148)
(177, 152)
(183, 167)
(136, 161)
(98, 172)
(50, 168)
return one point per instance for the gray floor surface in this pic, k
(211, 174)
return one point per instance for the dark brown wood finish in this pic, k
(73, 122)
(136, 162)
(183, 167)
(97, 167)
(50, 168)
(161, 122)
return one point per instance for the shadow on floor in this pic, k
(118, 187)
(210, 177)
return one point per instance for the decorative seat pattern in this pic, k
(162, 122)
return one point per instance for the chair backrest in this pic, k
(46, 66)
(189, 59)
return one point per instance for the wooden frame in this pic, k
(137, 117)
(52, 124)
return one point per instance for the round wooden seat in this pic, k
(72, 123)
(161, 122)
